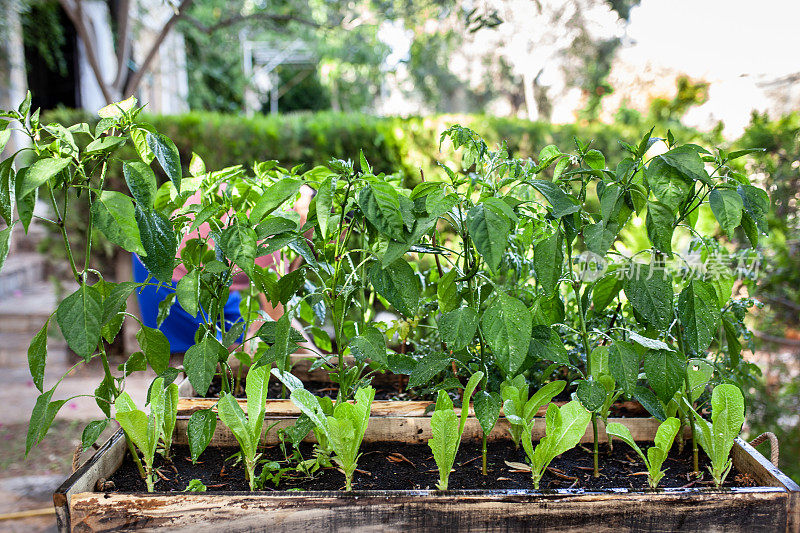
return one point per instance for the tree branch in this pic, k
(123, 42)
(74, 11)
(136, 79)
(230, 21)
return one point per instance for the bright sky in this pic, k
(719, 38)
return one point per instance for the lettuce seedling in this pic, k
(564, 428)
(344, 429)
(717, 438)
(144, 431)
(447, 428)
(247, 428)
(656, 455)
(517, 404)
(170, 417)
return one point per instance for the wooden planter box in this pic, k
(773, 506)
(301, 369)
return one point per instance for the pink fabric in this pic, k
(240, 280)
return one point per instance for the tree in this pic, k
(124, 84)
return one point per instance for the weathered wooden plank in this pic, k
(770, 508)
(188, 405)
(102, 464)
(409, 511)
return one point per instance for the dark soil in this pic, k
(386, 466)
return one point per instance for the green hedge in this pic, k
(391, 144)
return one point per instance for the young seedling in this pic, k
(447, 428)
(517, 405)
(564, 428)
(247, 428)
(717, 438)
(656, 455)
(144, 431)
(170, 418)
(195, 485)
(344, 429)
(487, 411)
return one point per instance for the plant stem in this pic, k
(695, 455)
(576, 286)
(135, 456)
(63, 231)
(483, 452)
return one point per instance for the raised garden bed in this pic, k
(771, 505)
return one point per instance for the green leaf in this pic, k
(427, 368)
(273, 197)
(103, 144)
(650, 294)
(370, 345)
(547, 263)
(624, 434)
(546, 344)
(574, 419)
(591, 394)
(200, 362)
(489, 228)
(623, 362)
(113, 214)
(155, 346)
(561, 203)
(686, 160)
(447, 291)
(507, 326)
(135, 423)
(197, 166)
(727, 417)
(649, 401)
(457, 328)
(37, 356)
(595, 160)
(116, 299)
(324, 203)
(660, 225)
(26, 204)
(665, 372)
(670, 186)
(234, 418)
(166, 153)
(487, 409)
(38, 174)
(118, 109)
(141, 182)
(756, 205)
(256, 390)
(398, 284)
(605, 290)
(92, 432)
(7, 196)
(138, 136)
(727, 206)
(238, 243)
(444, 442)
(78, 316)
(732, 341)
(159, 241)
(699, 311)
(5, 244)
(381, 207)
(44, 411)
(200, 430)
(188, 292)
